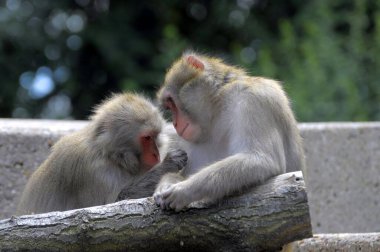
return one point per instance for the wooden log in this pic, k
(262, 219)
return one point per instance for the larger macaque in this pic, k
(118, 152)
(239, 129)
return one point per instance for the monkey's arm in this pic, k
(220, 179)
(256, 154)
(145, 185)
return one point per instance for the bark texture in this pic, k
(262, 219)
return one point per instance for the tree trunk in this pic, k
(264, 218)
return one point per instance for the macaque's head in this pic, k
(129, 124)
(192, 92)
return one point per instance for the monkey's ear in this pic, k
(195, 62)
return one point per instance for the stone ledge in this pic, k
(368, 242)
(36, 127)
(343, 168)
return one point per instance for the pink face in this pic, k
(150, 155)
(181, 122)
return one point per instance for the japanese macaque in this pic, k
(239, 131)
(118, 148)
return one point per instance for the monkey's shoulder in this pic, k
(73, 145)
(256, 89)
(72, 139)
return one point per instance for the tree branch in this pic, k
(265, 218)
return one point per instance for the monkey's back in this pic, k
(269, 102)
(52, 187)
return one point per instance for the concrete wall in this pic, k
(343, 169)
(343, 176)
(24, 145)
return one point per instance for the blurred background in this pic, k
(59, 58)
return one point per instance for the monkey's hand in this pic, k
(166, 183)
(175, 196)
(174, 161)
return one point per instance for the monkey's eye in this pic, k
(169, 104)
(166, 103)
(147, 138)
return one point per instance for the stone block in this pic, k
(24, 145)
(343, 176)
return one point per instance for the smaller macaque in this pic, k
(119, 148)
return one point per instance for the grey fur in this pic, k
(145, 185)
(248, 132)
(90, 167)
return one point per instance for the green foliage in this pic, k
(328, 57)
(59, 58)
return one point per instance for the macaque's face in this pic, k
(150, 155)
(185, 127)
(189, 92)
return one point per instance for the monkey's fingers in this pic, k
(167, 192)
(182, 159)
(157, 198)
(160, 202)
(175, 207)
(173, 201)
(176, 160)
(176, 204)
(168, 196)
(164, 204)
